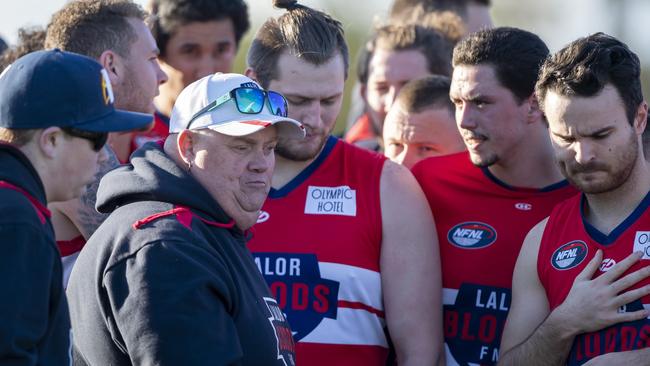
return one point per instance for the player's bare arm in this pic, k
(592, 304)
(640, 357)
(410, 267)
(528, 310)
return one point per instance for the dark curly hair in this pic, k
(585, 66)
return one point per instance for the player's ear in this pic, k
(251, 73)
(641, 118)
(112, 63)
(534, 114)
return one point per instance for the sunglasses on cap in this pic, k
(249, 101)
(97, 139)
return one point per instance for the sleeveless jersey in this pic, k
(317, 243)
(481, 224)
(69, 250)
(568, 244)
(159, 131)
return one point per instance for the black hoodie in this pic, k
(35, 328)
(167, 278)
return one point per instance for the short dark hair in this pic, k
(427, 92)
(395, 36)
(90, 27)
(515, 54)
(399, 7)
(585, 66)
(29, 40)
(169, 15)
(309, 34)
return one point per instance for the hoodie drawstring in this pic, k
(184, 215)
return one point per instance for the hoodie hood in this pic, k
(152, 176)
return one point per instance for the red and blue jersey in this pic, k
(481, 224)
(317, 243)
(569, 242)
(159, 131)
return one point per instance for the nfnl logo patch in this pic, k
(569, 255)
(472, 235)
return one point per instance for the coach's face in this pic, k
(596, 146)
(236, 171)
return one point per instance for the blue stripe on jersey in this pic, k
(499, 182)
(604, 239)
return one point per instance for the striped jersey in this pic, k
(569, 242)
(317, 243)
(481, 224)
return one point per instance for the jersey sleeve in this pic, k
(172, 304)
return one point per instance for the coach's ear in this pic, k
(186, 142)
(112, 63)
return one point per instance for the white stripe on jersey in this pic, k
(68, 263)
(449, 296)
(355, 284)
(351, 326)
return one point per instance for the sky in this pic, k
(576, 17)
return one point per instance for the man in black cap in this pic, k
(56, 109)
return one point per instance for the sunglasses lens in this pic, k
(100, 141)
(278, 104)
(249, 100)
(97, 139)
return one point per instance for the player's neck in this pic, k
(286, 170)
(531, 165)
(605, 211)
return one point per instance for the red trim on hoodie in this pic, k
(184, 215)
(42, 211)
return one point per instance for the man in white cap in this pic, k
(167, 278)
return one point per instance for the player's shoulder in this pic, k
(358, 153)
(455, 161)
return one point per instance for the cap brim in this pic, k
(287, 127)
(117, 121)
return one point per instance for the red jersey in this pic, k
(317, 243)
(69, 250)
(481, 224)
(361, 130)
(568, 244)
(159, 131)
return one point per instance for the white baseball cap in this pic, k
(226, 117)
